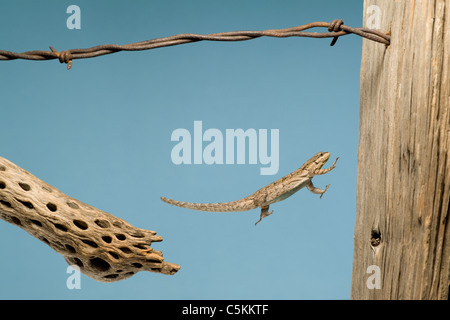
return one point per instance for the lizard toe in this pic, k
(326, 188)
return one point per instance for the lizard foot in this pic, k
(264, 213)
(334, 163)
(326, 188)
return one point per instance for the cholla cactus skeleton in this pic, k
(103, 246)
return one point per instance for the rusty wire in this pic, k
(336, 29)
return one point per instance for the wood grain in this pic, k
(403, 178)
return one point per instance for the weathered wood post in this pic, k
(402, 234)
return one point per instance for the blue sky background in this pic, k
(101, 134)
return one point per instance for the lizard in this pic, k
(272, 193)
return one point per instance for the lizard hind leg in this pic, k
(315, 190)
(264, 213)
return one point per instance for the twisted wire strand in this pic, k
(336, 29)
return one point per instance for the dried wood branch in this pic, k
(104, 247)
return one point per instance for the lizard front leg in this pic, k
(315, 190)
(323, 171)
(264, 213)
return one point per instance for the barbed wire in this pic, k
(336, 29)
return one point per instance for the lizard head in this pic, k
(320, 159)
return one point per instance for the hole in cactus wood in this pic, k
(70, 248)
(153, 261)
(138, 234)
(78, 262)
(90, 243)
(27, 204)
(52, 207)
(36, 223)
(72, 205)
(107, 239)
(48, 189)
(99, 264)
(113, 254)
(2, 185)
(60, 227)
(125, 249)
(80, 224)
(120, 237)
(25, 186)
(16, 221)
(118, 224)
(5, 203)
(2, 168)
(102, 223)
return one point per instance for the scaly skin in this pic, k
(272, 193)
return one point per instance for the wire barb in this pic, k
(64, 57)
(336, 29)
(335, 26)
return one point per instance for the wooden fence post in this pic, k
(402, 234)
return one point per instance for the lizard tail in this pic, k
(239, 205)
